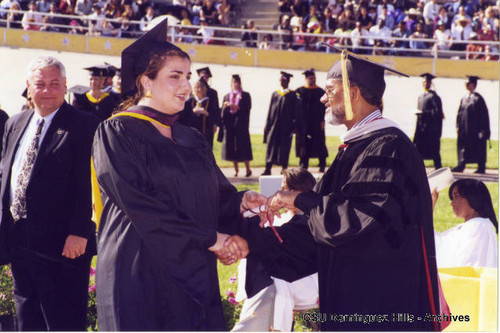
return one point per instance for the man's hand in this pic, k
(74, 246)
(280, 199)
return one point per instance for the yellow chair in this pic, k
(472, 292)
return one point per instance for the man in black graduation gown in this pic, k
(280, 124)
(427, 137)
(370, 215)
(310, 138)
(473, 128)
(95, 101)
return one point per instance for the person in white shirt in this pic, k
(150, 14)
(474, 242)
(430, 11)
(442, 35)
(32, 19)
(357, 39)
(382, 35)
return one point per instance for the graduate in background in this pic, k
(473, 242)
(370, 214)
(95, 101)
(165, 202)
(200, 113)
(205, 74)
(234, 132)
(427, 136)
(473, 128)
(280, 124)
(310, 137)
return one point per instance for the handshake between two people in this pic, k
(229, 249)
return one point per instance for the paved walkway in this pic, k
(491, 175)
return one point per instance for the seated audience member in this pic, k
(473, 242)
(474, 51)
(442, 17)
(359, 39)
(442, 35)
(388, 18)
(14, 20)
(271, 299)
(363, 17)
(32, 20)
(460, 34)
(250, 36)
(205, 32)
(223, 12)
(415, 42)
(185, 35)
(209, 12)
(381, 36)
(267, 42)
(150, 14)
(400, 45)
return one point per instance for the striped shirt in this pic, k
(371, 117)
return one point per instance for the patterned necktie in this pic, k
(18, 206)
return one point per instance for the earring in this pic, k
(149, 94)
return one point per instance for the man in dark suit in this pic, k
(46, 231)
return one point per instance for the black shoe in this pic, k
(480, 171)
(266, 173)
(458, 169)
(249, 173)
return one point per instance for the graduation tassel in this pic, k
(345, 82)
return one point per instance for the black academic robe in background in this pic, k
(236, 145)
(214, 100)
(472, 118)
(310, 138)
(368, 215)
(102, 108)
(280, 125)
(163, 202)
(429, 125)
(3, 118)
(204, 124)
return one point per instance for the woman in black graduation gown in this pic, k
(201, 113)
(164, 201)
(236, 145)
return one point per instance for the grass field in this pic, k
(448, 153)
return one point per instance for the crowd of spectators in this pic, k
(399, 27)
(117, 18)
(395, 27)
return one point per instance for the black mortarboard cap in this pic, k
(428, 76)
(99, 70)
(136, 57)
(473, 79)
(204, 69)
(78, 89)
(287, 75)
(309, 72)
(361, 72)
